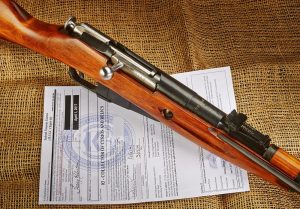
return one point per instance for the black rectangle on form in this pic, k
(75, 112)
(67, 112)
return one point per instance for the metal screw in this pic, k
(167, 114)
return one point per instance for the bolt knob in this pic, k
(106, 73)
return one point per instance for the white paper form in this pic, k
(94, 152)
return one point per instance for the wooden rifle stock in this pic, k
(17, 26)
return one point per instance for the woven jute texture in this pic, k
(260, 40)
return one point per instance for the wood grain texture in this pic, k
(19, 27)
(286, 162)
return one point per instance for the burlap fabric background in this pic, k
(260, 40)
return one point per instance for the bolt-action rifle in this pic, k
(127, 79)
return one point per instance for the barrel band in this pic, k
(270, 152)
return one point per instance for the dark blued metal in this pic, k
(136, 57)
(270, 152)
(235, 125)
(284, 178)
(79, 32)
(96, 33)
(167, 114)
(107, 94)
(297, 179)
(189, 99)
(261, 139)
(96, 44)
(111, 42)
(156, 80)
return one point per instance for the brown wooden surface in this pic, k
(286, 162)
(19, 27)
